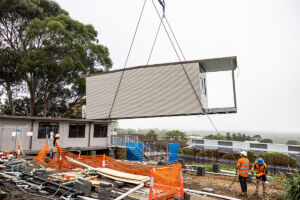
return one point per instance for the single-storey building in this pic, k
(75, 134)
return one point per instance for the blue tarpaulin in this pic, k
(173, 152)
(134, 151)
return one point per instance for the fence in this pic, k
(276, 162)
(163, 185)
(121, 141)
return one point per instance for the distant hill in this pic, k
(277, 137)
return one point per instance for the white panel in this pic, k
(145, 92)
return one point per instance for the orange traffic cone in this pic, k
(18, 154)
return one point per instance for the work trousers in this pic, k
(243, 182)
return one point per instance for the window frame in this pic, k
(103, 134)
(77, 134)
(49, 129)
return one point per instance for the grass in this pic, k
(209, 167)
(292, 188)
(231, 167)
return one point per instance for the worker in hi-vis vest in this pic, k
(261, 174)
(243, 167)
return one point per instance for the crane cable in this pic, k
(161, 22)
(132, 41)
(165, 17)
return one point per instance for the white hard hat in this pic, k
(57, 135)
(244, 153)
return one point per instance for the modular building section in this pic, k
(168, 89)
(230, 146)
(74, 133)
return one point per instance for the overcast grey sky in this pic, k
(263, 34)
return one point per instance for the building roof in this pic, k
(209, 65)
(51, 119)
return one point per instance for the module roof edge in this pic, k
(52, 119)
(164, 64)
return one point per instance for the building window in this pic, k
(76, 130)
(223, 143)
(100, 131)
(195, 141)
(45, 128)
(294, 148)
(258, 146)
(204, 88)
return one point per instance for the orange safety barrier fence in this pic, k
(167, 180)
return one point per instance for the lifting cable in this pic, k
(162, 3)
(127, 59)
(198, 98)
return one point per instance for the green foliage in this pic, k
(186, 151)
(215, 137)
(266, 140)
(151, 134)
(228, 156)
(54, 52)
(293, 142)
(257, 137)
(277, 159)
(292, 188)
(228, 136)
(202, 153)
(251, 156)
(176, 135)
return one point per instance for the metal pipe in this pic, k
(210, 194)
(26, 174)
(130, 191)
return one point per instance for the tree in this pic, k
(228, 136)
(215, 137)
(176, 135)
(244, 137)
(234, 137)
(239, 137)
(257, 137)
(151, 134)
(248, 138)
(293, 142)
(9, 74)
(56, 51)
(15, 16)
(266, 140)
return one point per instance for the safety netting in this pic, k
(166, 181)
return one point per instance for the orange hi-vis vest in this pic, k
(243, 166)
(260, 169)
(57, 146)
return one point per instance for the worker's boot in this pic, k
(256, 193)
(243, 194)
(264, 194)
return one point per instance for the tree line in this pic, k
(238, 137)
(156, 134)
(44, 56)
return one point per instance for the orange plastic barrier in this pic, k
(167, 180)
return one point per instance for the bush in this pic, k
(228, 156)
(278, 159)
(292, 188)
(186, 151)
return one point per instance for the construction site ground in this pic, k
(221, 185)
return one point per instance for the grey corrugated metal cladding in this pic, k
(152, 90)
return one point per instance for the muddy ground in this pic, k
(191, 181)
(15, 193)
(221, 185)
